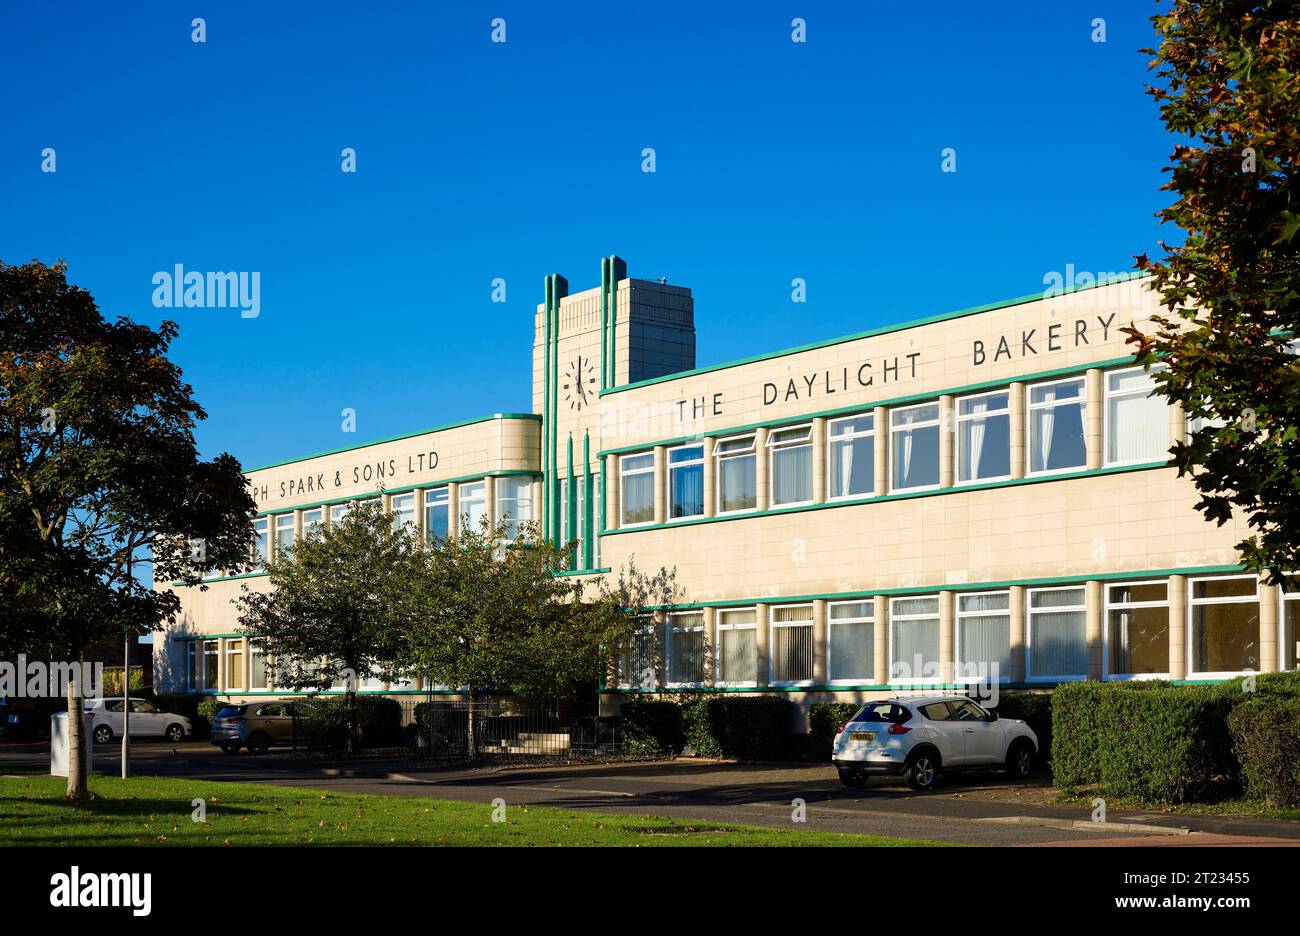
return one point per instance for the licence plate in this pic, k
(861, 736)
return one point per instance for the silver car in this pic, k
(257, 725)
(147, 720)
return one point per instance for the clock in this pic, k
(580, 383)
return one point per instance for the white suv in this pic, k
(923, 736)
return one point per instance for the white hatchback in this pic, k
(923, 736)
(147, 720)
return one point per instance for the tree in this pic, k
(100, 476)
(1229, 88)
(328, 616)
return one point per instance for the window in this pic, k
(792, 644)
(1137, 420)
(1056, 633)
(983, 637)
(915, 438)
(259, 667)
(1137, 630)
(311, 522)
(260, 545)
(284, 535)
(737, 474)
(738, 647)
(1056, 439)
(791, 465)
(402, 507)
(211, 660)
(638, 478)
(851, 457)
(686, 482)
(515, 504)
(1288, 650)
(234, 664)
(937, 711)
(686, 649)
(191, 666)
(473, 505)
(1223, 638)
(851, 640)
(914, 639)
(437, 513)
(339, 511)
(636, 664)
(984, 437)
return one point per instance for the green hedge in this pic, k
(824, 719)
(326, 722)
(1266, 739)
(746, 727)
(651, 727)
(1033, 708)
(1077, 729)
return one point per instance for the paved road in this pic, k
(974, 809)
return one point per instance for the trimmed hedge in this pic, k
(651, 727)
(824, 719)
(1035, 709)
(1077, 729)
(1266, 739)
(326, 722)
(745, 727)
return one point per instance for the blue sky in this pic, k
(479, 160)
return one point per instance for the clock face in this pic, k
(580, 383)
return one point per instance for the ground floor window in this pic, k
(191, 665)
(984, 637)
(473, 505)
(686, 649)
(1224, 629)
(738, 647)
(914, 639)
(234, 664)
(1289, 637)
(402, 507)
(259, 666)
(1057, 634)
(1137, 629)
(211, 664)
(437, 513)
(792, 644)
(636, 665)
(514, 504)
(851, 641)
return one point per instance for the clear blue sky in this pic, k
(478, 160)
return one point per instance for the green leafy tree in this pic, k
(1230, 90)
(100, 479)
(328, 617)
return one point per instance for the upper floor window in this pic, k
(791, 465)
(851, 456)
(311, 521)
(1137, 419)
(473, 505)
(686, 482)
(402, 507)
(514, 504)
(437, 513)
(284, 533)
(638, 477)
(1056, 429)
(737, 474)
(261, 542)
(984, 437)
(915, 437)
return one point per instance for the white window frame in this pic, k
(870, 678)
(405, 497)
(1030, 408)
(936, 422)
(1107, 394)
(234, 647)
(651, 683)
(1107, 606)
(1194, 603)
(258, 563)
(204, 653)
(1030, 611)
(307, 524)
(958, 615)
(851, 436)
(292, 527)
(1282, 599)
(672, 628)
(623, 475)
(670, 468)
(462, 521)
(522, 499)
(894, 618)
(720, 456)
(434, 497)
(338, 511)
(773, 625)
(804, 441)
(254, 648)
(720, 616)
(958, 419)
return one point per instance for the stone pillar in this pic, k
(762, 472)
(661, 645)
(819, 460)
(1177, 423)
(1178, 662)
(453, 510)
(613, 491)
(1093, 622)
(820, 676)
(661, 483)
(1016, 417)
(1092, 418)
(880, 640)
(947, 635)
(221, 664)
(947, 442)
(1268, 646)
(1018, 627)
(710, 479)
(490, 499)
(880, 425)
(710, 646)
(763, 668)
(535, 491)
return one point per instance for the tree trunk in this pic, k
(77, 768)
(471, 743)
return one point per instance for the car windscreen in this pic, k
(882, 712)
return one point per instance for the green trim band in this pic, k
(874, 332)
(570, 572)
(888, 687)
(220, 578)
(322, 692)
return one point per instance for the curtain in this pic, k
(984, 643)
(792, 468)
(907, 457)
(686, 663)
(1138, 428)
(852, 650)
(1046, 424)
(688, 491)
(638, 498)
(845, 454)
(1057, 645)
(792, 653)
(739, 482)
(975, 439)
(916, 644)
(739, 655)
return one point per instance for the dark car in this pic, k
(257, 725)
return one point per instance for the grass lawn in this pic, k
(157, 811)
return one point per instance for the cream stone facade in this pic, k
(982, 496)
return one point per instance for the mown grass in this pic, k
(152, 811)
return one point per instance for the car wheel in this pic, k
(922, 771)
(1020, 759)
(103, 734)
(853, 778)
(175, 733)
(230, 747)
(259, 743)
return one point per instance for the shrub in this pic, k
(1266, 739)
(746, 727)
(1076, 729)
(651, 727)
(1035, 709)
(206, 710)
(824, 719)
(325, 724)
